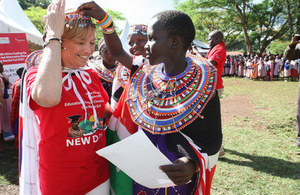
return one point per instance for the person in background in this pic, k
(106, 67)
(241, 66)
(227, 66)
(5, 107)
(261, 69)
(67, 97)
(137, 39)
(276, 67)
(2, 145)
(292, 52)
(14, 117)
(269, 68)
(294, 70)
(217, 56)
(287, 70)
(232, 62)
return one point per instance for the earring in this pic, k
(64, 48)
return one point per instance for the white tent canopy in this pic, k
(201, 46)
(14, 20)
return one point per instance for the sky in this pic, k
(137, 11)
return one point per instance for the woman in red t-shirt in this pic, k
(69, 106)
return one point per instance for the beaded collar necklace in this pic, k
(103, 72)
(164, 104)
(122, 74)
(33, 59)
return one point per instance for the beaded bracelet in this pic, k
(105, 22)
(105, 17)
(109, 30)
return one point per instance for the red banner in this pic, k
(13, 48)
(13, 52)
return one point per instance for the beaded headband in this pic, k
(83, 20)
(138, 28)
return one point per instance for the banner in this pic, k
(13, 52)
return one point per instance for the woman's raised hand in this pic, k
(55, 19)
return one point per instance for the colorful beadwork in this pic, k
(83, 20)
(103, 72)
(108, 30)
(161, 104)
(122, 75)
(33, 59)
(134, 29)
(105, 22)
(76, 16)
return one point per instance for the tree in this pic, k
(36, 16)
(272, 22)
(261, 23)
(277, 46)
(115, 16)
(25, 4)
(293, 15)
(231, 17)
(206, 20)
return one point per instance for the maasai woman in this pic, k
(106, 67)
(181, 87)
(287, 70)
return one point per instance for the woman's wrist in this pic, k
(105, 22)
(49, 40)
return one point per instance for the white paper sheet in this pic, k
(139, 159)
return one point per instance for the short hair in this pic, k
(76, 30)
(177, 23)
(20, 71)
(217, 34)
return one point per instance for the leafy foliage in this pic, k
(25, 4)
(277, 46)
(260, 23)
(36, 16)
(115, 16)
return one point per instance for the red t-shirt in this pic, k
(70, 165)
(15, 101)
(218, 54)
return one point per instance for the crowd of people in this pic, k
(73, 105)
(266, 67)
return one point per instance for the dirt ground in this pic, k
(9, 190)
(236, 106)
(231, 107)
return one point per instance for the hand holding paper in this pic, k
(181, 171)
(139, 159)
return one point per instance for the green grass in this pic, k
(261, 156)
(9, 166)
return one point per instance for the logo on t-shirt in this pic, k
(83, 128)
